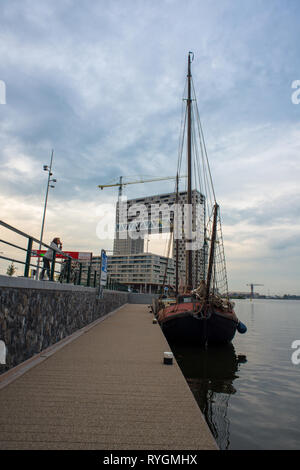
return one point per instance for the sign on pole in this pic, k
(103, 274)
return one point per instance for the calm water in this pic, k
(249, 391)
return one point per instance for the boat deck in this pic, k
(106, 388)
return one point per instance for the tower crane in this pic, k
(252, 290)
(121, 183)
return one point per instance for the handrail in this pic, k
(10, 227)
(12, 244)
(92, 277)
(29, 252)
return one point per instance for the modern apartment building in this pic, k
(154, 214)
(143, 272)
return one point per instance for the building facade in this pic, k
(143, 272)
(136, 218)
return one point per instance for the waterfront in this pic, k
(249, 391)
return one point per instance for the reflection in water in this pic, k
(210, 374)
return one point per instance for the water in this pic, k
(249, 391)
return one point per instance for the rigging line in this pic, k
(181, 142)
(197, 169)
(196, 173)
(205, 176)
(196, 159)
(207, 162)
(207, 190)
(223, 253)
(208, 166)
(206, 186)
(182, 129)
(196, 152)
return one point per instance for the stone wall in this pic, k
(35, 315)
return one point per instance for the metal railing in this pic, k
(29, 252)
(81, 274)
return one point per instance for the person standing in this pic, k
(56, 244)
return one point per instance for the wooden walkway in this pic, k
(108, 389)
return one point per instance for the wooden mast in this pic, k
(177, 236)
(189, 261)
(211, 252)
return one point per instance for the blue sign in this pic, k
(103, 277)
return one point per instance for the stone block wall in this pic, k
(33, 318)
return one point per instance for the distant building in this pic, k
(140, 271)
(143, 272)
(243, 295)
(125, 245)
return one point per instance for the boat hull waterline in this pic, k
(187, 327)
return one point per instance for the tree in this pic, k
(11, 269)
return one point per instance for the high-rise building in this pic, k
(156, 214)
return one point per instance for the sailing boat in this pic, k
(202, 313)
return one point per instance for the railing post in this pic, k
(68, 270)
(28, 257)
(53, 266)
(80, 271)
(95, 278)
(88, 276)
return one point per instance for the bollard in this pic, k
(168, 358)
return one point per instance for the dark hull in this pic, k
(188, 329)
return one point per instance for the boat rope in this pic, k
(203, 141)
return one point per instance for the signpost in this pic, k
(103, 273)
(103, 277)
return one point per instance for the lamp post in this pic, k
(49, 185)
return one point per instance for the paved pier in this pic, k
(106, 389)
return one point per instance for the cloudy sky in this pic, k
(101, 82)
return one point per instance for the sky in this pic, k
(101, 83)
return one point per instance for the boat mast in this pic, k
(189, 261)
(212, 252)
(177, 236)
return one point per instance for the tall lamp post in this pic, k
(49, 185)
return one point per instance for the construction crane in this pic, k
(121, 183)
(252, 290)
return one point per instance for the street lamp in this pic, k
(49, 185)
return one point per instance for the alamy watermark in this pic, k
(2, 353)
(296, 94)
(139, 220)
(2, 92)
(296, 354)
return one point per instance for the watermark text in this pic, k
(2, 353)
(296, 94)
(296, 354)
(2, 92)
